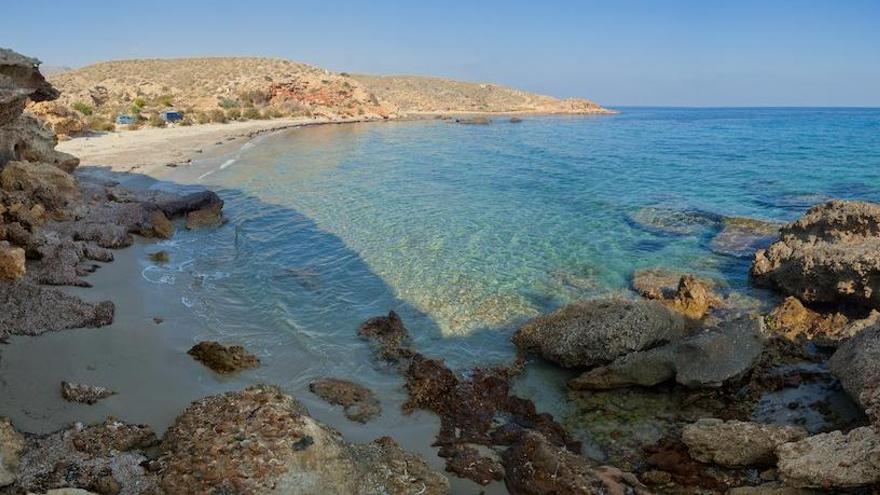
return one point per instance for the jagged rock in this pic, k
(594, 332)
(706, 359)
(686, 294)
(105, 458)
(741, 237)
(389, 335)
(11, 261)
(20, 80)
(43, 182)
(260, 440)
(223, 359)
(832, 460)
(63, 121)
(359, 402)
(84, 394)
(856, 362)
(11, 445)
(534, 466)
(29, 309)
(792, 320)
(26, 139)
(830, 255)
(737, 443)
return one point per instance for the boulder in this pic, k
(26, 139)
(830, 255)
(223, 359)
(856, 362)
(43, 182)
(11, 261)
(30, 309)
(792, 320)
(706, 359)
(831, 460)
(737, 443)
(11, 445)
(359, 402)
(84, 394)
(589, 333)
(262, 441)
(740, 237)
(20, 80)
(205, 217)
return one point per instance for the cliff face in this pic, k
(433, 94)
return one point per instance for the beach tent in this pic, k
(125, 119)
(171, 115)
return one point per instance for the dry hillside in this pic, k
(434, 94)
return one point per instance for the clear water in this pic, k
(463, 230)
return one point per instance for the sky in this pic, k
(618, 53)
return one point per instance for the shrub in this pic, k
(233, 114)
(218, 116)
(82, 108)
(98, 123)
(203, 118)
(156, 121)
(187, 121)
(227, 103)
(251, 113)
(139, 103)
(165, 100)
(273, 113)
(254, 97)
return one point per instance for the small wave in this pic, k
(228, 163)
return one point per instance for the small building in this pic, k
(125, 119)
(171, 115)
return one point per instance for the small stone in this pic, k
(12, 261)
(160, 257)
(359, 402)
(84, 394)
(223, 359)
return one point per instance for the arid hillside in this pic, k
(434, 94)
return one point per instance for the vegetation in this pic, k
(233, 114)
(156, 121)
(165, 101)
(251, 114)
(98, 123)
(227, 103)
(203, 118)
(218, 116)
(83, 108)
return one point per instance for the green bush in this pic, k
(227, 103)
(156, 121)
(254, 97)
(98, 123)
(218, 116)
(82, 108)
(139, 103)
(203, 118)
(165, 101)
(233, 114)
(250, 113)
(273, 113)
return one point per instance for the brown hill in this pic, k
(434, 94)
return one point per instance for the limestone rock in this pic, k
(830, 255)
(737, 443)
(223, 359)
(11, 445)
(60, 119)
(11, 261)
(773, 488)
(686, 294)
(45, 183)
(832, 460)
(793, 320)
(594, 332)
(30, 309)
(740, 237)
(84, 394)
(856, 363)
(205, 217)
(26, 139)
(262, 441)
(359, 402)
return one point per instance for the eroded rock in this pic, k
(11, 445)
(856, 363)
(359, 402)
(686, 294)
(741, 237)
(792, 320)
(84, 394)
(11, 261)
(737, 443)
(30, 309)
(594, 332)
(223, 359)
(832, 460)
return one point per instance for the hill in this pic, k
(434, 94)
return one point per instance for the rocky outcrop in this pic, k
(44, 183)
(706, 359)
(685, 294)
(737, 443)
(792, 320)
(856, 363)
(11, 445)
(832, 460)
(30, 309)
(84, 394)
(595, 332)
(830, 255)
(359, 402)
(223, 359)
(262, 441)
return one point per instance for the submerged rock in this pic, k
(359, 402)
(706, 359)
(832, 460)
(11, 446)
(737, 443)
(223, 359)
(830, 255)
(741, 237)
(594, 332)
(260, 440)
(479, 120)
(84, 394)
(669, 221)
(856, 363)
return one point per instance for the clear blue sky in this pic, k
(702, 53)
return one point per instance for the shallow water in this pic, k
(463, 230)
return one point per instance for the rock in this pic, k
(59, 118)
(359, 402)
(11, 445)
(667, 221)
(260, 440)
(389, 335)
(223, 359)
(534, 466)
(161, 226)
(106, 458)
(774, 488)
(830, 255)
(479, 120)
(43, 182)
(205, 217)
(594, 332)
(84, 394)
(687, 294)
(160, 257)
(515, 120)
(11, 261)
(792, 320)
(174, 206)
(740, 237)
(737, 443)
(832, 460)
(856, 362)
(26, 139)
(706, 359)
(30, 309)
